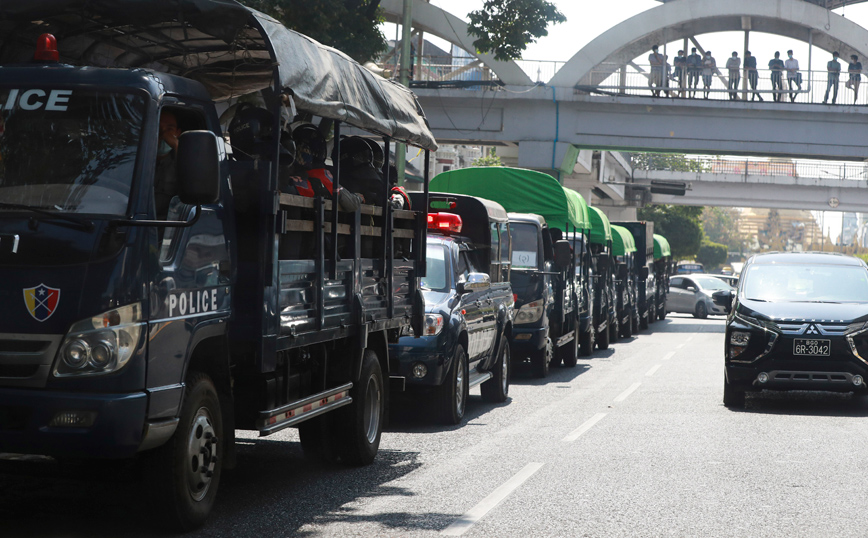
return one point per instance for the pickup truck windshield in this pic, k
(806, 283)
(68, 150)
(525, 245)
(436, 277)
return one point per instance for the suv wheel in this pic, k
(732, 397)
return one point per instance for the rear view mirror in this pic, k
(723, 298)
(691, 288)
(474, 282)
(563, 254)
(198, 168)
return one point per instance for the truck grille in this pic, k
(25, 359)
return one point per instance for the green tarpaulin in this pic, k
(661, 247)
(519, 191)
(601, 231)
(622, 241)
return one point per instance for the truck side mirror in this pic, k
(198, 168)
(643, 273)
(563, 255)
(723, 298)
(474, 282)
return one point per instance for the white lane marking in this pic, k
(688, 340)
(653, 370)
(463, 523)
(575, 434)
(623, 396)
(669, 355)
(679, 346)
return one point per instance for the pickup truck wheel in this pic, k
(540, 360)
(603, 339)
(587, 340)
(570, 352)
(183, 474)
(496, 389)
(452, 397)
(732, 398)
(360, 424)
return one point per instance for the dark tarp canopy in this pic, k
(231, 49)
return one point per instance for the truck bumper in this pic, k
(526, 341)
(116, 431)
(429, 352)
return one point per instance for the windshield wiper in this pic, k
(83, 223)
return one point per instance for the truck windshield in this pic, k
(806, 283)
(436, 277)
(525, 245)
(71, 151)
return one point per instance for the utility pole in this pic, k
(406, 60)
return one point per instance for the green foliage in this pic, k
(492, 159)
(505, 27)
(711, 255)
(666, 161)
(721, 226)
(679, 225)
(351, 26)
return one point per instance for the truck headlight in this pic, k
(433, 324)
(530, 313)
(101, 344)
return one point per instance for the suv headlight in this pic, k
(433, 324)
(530, 313)
(101, 344)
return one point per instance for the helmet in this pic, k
(251, 131)
(311, 146)
(379, 155)
(356, 153)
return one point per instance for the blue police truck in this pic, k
(151, 308)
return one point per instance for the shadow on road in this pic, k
(272, 492)
(808, 403)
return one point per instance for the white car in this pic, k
(691, 294)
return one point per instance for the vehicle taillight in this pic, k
(46, 49)
(444, 222)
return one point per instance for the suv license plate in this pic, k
(812, 348)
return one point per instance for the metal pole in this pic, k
(744, 58)
(406, 30)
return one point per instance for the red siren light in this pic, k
(46, 49)
(444, 222)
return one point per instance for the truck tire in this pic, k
(643, 321)
(587, 341)
(540, 360)
(451, 396)
(358, 426)
(496, 389)
(569, 353)
(603, 339)
(614, 329)
(652, 314)
(627, 328)
(661, 314)
(183, 475)
(634, 322)
(732, 398)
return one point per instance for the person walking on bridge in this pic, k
(793, 74)
(834, 77)
(734, 65)
(694, 65)
(657, 62)
(776, 65)
(751, 74)
(709, 66)
(855, 70)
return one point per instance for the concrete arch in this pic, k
(680, 19)
(433, 20)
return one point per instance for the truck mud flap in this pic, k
(298, 411)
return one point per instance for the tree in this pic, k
(491, 159)
(679, 225)
(711, 254)
(673, 162)
(505, 27)
(772, 234)
(351, 26)
(721, 226)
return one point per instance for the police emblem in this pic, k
(41, 301)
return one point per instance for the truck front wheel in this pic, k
(360, 424)
(541, 359)
(569, 352)
(184, 473)
(586, 341)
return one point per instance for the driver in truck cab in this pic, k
(165, 175)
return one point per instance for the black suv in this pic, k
(798, 321)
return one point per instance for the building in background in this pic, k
(780, 229)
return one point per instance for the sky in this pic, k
(586, 19)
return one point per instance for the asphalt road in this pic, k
(634, 441)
